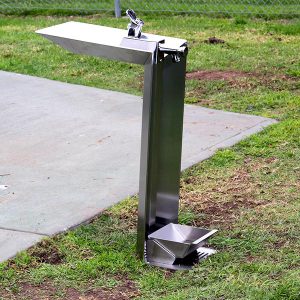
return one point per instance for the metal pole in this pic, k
(118, 9)
(163, 104)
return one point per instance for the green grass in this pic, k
(249, 192)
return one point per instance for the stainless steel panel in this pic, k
(111, 43)
(136, 56)
(149, 153)
(170, 139)
(162, 257)
(161, 145)
(157, 253)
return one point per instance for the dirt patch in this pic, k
(223, 202)
(217, 75)
(247, 80)
(28, 291)
(231, 80)
(169, 273)
(125, 291)
(279, 244)
(214, 40)
(46, 251)
(47, 291)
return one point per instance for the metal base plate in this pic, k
(188, 262)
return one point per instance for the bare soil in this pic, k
(217, 75)
(239, 78)
(47, 252)
(214, 40)
(47, 291)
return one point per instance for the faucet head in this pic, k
(135, 25)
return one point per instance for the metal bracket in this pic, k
(176, 54)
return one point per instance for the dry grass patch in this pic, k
(221, 200)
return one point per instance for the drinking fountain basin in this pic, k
(181, 240)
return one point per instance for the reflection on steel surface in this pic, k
(164, 58)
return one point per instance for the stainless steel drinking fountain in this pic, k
(161, 241)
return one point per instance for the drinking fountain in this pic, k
(161, 241)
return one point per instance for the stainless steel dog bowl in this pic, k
(181, 240)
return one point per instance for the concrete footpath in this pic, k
(68, 151)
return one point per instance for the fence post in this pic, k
(117, 9)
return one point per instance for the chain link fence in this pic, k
(219, 7)
(267, 8)
(53, 6)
